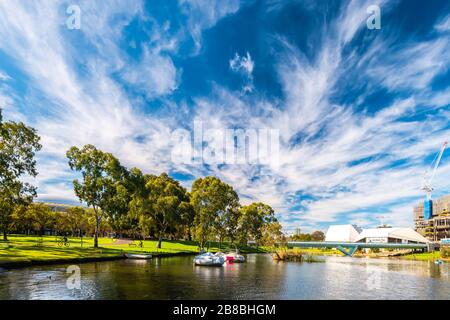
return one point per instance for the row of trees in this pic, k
(314, 236)
(159, 206)
(127, 200)
(37, 218)
(18, 144)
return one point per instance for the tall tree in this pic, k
(102, 176)
(22, 223)
(77, 220)
(272, 234)
(215, 204)
(318, 236)
(252, 220)
(187, 219)
(18, 145)
(163, 205)
(41, 216)
(13, 195)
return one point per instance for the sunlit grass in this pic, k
(20, 248)
(424, 256)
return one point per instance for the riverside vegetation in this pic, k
(119, 202)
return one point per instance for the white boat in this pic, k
(138, 256)
(234, 257)
(209, 259)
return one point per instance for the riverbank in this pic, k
(404, 255)
(424, 256)
(23, 251)
(176, 278)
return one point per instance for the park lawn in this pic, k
(29, 249)
(424, 256)
(179, 246)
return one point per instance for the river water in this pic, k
(259, 278)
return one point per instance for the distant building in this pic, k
(437, 226)
(391, 235)
(342, 233)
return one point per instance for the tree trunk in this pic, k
(202, 243)
(96, 234)
(5, 235)
(158, 245)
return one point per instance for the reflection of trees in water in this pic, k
(258, 278)
(179, 278)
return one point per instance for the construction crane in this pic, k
(431, 172)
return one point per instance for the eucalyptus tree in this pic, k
(272, 235)
(101, 186)
(252, 220)
(216, 205)
(18, 145)
(77, 220)
(41, 216)
(161, 204)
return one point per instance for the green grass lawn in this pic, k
(424, 256)
(28, 249)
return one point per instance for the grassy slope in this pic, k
(425, 256)
(26, 249)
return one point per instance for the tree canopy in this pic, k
(102, 181)
(163, 203)
(18, 145)
(216, 206)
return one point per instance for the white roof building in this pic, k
(391, 235)
(342, 233)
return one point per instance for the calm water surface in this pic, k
(258, 278)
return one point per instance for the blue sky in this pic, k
(361, 113)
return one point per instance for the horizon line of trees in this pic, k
(126, 201)
(313, 236)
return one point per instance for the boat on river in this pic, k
(209, 259)
(234, 257)
(138, 256)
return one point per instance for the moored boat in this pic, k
(209, 259)
(234, 257)
(138, 256)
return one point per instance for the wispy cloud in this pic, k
(4, 76)
(204, 14)
(358, 111)
(244, 65)
(155, 75)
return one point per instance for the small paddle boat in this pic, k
(138, 256)
(209, 259)
(234, 257)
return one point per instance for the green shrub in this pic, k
(445, 252)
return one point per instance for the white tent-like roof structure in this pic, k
(405, 234)
(342, 233)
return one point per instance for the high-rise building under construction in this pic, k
(437, 226)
